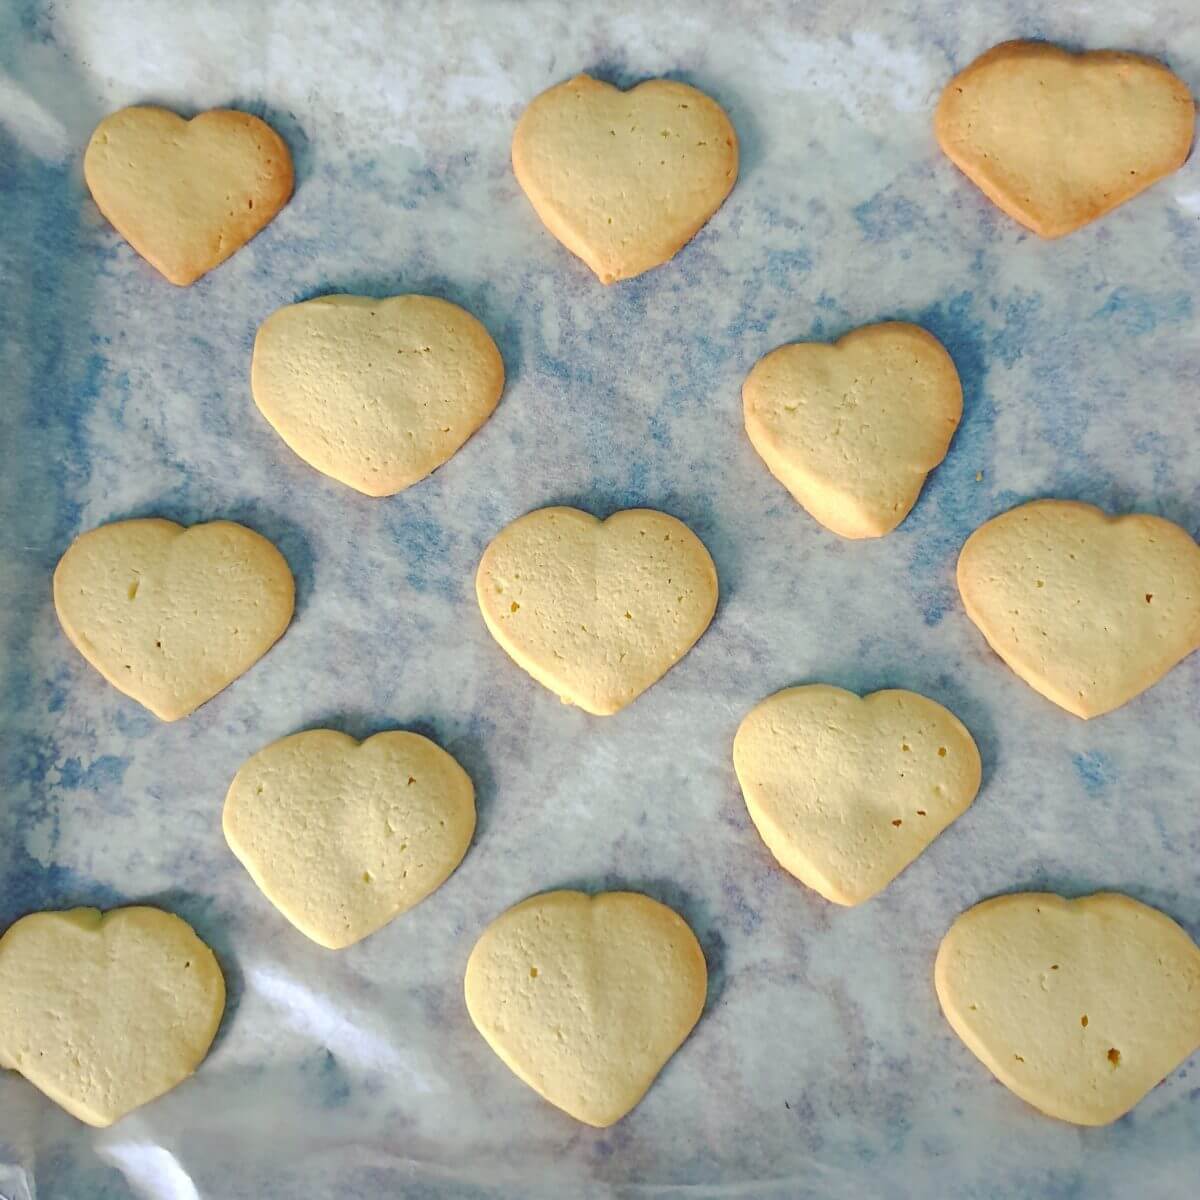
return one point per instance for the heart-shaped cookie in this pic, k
(375, 393)
(1058, 139)
(585, 998)
(1078, 1006)
(169, 615)
(847, 791)
(852, 429)
(106, 1013)
(187, 194)
(624, 179)
(341, 836)
(1088, 609)
(596, 610)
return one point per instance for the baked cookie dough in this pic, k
(585, 998)
(1088, 609)
(187, 194)
(169, 615)
(594, 610)
(624, 179)
(342, 836)
(848, 791)
(852, 429)
(105, 1013)
(1058, 139)
(375, 393)
(1078, 1006)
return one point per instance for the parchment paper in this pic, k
(822, 1066)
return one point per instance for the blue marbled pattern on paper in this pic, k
(822, 1067)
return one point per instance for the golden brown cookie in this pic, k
(1058, 139)
(624, 179)
(187, 194)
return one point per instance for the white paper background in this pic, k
(822, 1066)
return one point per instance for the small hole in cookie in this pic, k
(897, 822)
(629, 616)
(533, 972)
(1114, 1056)
(1054, 966)
(187, 964)
(133, 589)
(514, 607)
(1018, 1058)
(1149, 597)
(1083, 1020)
(250, 203)
(941, 752)
(1041, 583)
(411, 780)
(920, 812)
(368, 877)
(258, 791)
(158, 645)
(904, 746)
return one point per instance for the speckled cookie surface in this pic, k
(375, 393)
(1078, 1006)
(624, 179)
(342, 836)
(171, 616)
(585, 998)
(106, 1012)
(1090, 610)
(853, 428)
(596, 610)
(187, 194)
(847, 791)
(1058, 139)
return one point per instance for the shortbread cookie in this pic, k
(105, 1013)
(1058, 139)
(376, 393)
(595, 610)
(187, 194)
(585, 998)
(342, 836)
(169, 615)
(1078, 1006)
(1088, 609)
(847, 791)
(852, 429)
(624, 179)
